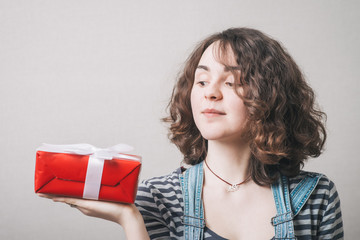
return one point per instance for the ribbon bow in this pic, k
(87, 149)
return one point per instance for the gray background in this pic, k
(101, 72)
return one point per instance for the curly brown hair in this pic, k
(284, 125)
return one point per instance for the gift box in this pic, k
(84, 171)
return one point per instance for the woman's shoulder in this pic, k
(323, 195)
(161, 194)
(162, 187)
(323, 182)
(165, 181)
(322, 208)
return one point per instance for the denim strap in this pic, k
(301, 193)
(193, 219)
(288, 205)
(284, 226)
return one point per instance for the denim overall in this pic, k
(287, 204)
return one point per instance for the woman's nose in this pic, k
(213, 92)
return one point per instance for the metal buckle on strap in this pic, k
(193, 222)
(279, 219)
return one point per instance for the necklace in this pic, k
(232, 187)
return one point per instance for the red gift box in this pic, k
(84, 171)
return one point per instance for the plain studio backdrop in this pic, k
(102, 72)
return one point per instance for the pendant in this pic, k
(233, 188)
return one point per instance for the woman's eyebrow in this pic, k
(231, 68)
(203, 67)
(226, 68)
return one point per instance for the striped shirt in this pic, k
(161, 204)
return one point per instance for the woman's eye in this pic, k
(229, 84)
(201, 83)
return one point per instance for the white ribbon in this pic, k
(95, 162)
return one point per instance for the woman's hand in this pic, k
(127, 215)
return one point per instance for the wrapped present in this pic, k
(84, 171)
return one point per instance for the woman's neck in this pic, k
(229, 160)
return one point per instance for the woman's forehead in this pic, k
(223, 53)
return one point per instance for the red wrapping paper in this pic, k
(64, 174)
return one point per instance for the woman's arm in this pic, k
(331, 226)
(127, 215)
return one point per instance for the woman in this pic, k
(244, 117)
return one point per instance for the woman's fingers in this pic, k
(106, 210)
(124, 214)
(72, 202)
(43, 195)
(67, 200)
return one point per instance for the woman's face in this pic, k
(219, 113)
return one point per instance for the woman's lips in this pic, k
(209, 112)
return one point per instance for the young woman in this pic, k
(244, 118)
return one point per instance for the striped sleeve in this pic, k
(159, 201)
(320, 217)
(331, 226)
(145, 202)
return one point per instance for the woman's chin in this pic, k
(217, 137)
